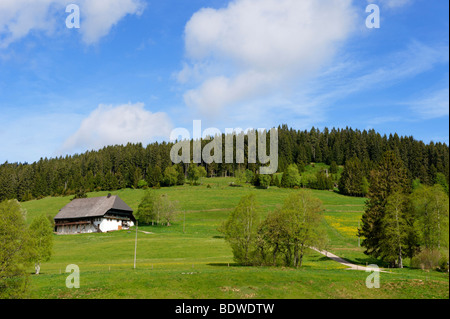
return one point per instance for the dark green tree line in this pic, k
(124, 166)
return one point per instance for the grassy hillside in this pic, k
(198, 263)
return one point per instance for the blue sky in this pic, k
(137, 69)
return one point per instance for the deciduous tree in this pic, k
(15, 251)
(41, 234)
(240, 229)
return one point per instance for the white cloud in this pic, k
(253, 48)
(109, 125)
(99, 16)
(18, 18)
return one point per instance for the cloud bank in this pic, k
(116, 125)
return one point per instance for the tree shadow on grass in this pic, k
(277, 267)
(358, 261)
(226, 265)
(323, 258)
(369, 261)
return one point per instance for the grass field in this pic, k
(198, 263)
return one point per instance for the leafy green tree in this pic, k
(264, 181)
(323, 181)
(170, 176)
(156, 208)
(275, 181)
(194, 173)
(303, 216)
(249, 176)
(274, 231)
(239, 177)
(241, 228)
(15, 251)
(291, 177)
(41, 233)
(365, 186)
(431, 206)
(146, 212)
(308, 180)
(142, 184)
(394, 241)
(201, 172)
(255, 180)
(180, 176)
(441, 180)
(166, 210)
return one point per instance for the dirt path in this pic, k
(343, 261)
(145, 232)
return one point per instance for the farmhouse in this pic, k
(92, 215)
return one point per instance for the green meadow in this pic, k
(191, 259)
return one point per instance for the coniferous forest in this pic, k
(134, 165)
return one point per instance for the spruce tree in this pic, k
(388, 178)
(352, 181)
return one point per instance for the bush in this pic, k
(291, 177)
(264, 181)
(157, 186)
(426, 259)
(142, 184)
(308, 180)
(323, 182)
(443, 263)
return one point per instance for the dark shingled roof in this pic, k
(92, 207)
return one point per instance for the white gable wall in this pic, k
(111, 224)
(108, 224)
